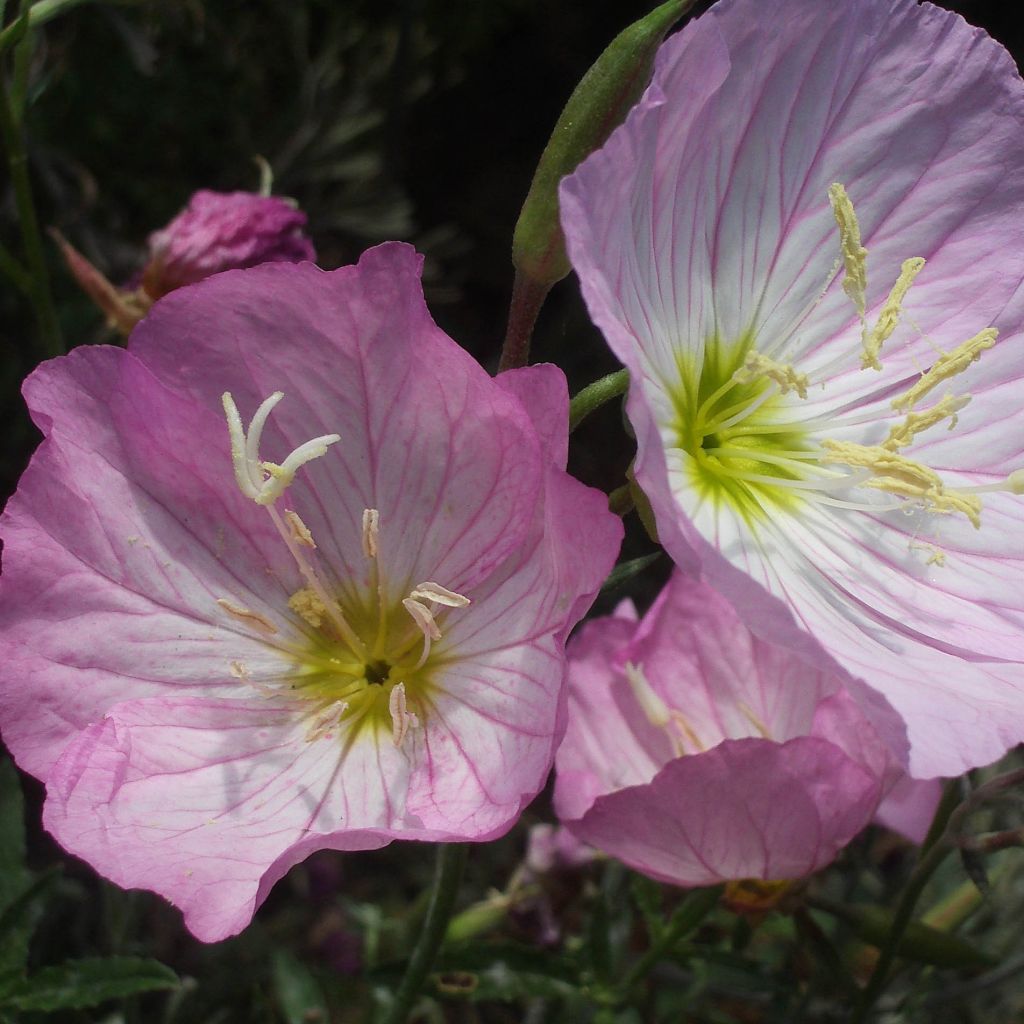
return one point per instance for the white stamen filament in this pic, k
(331, 608)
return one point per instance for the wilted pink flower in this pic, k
(220, 663)
(697, 753)
(224, 231)
(803, 244)
(216, 231)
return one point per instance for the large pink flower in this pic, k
(805, 245)
(220, 663)
(697, 753)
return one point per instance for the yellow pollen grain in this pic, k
(948, 365)
(936, 556)
(249, 617)
(307, 604)
(902, 435)
(757, 365)
(855, 279)
(889, 317)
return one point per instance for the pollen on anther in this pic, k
(298, 529)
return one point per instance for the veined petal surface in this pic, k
(703, 232)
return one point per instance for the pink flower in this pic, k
(224, 231)
(698, 753)
(216, 231)
(220, 663)
(805, 245)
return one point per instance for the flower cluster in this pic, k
(292, 572)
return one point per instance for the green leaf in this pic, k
(77, 984)
(919, 943)
(598, 105)
(299, 994)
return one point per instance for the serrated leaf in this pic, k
(78, 984)
(299, 994)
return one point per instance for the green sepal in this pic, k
(597, 106)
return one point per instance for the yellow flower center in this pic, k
(748, 443)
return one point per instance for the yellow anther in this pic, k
(889, 317)
(855, 279)
(882, 463)
(298, 529)
(949, 364)
(936, 556)
(916, 422)
(307, 604)
(903, 478)
(371, 532)
(757, 365)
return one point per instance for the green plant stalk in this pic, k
(17, 162)
(593, 396)
(933, 852)
(597, 105)
(39, 14)
(697, 906)
(451, 859)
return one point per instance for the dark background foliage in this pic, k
(413, 119)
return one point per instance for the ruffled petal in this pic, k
(120, 541)
(199, 799)
(746, 809)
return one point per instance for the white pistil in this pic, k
(265, 482)
(1012, 484)
(248, 616)
(402, 719)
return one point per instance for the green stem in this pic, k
(451, 859)
(696, 907)
(17, 162)
(528, 296)
(933, 852)
(593, 396)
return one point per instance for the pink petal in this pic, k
(745, 809)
